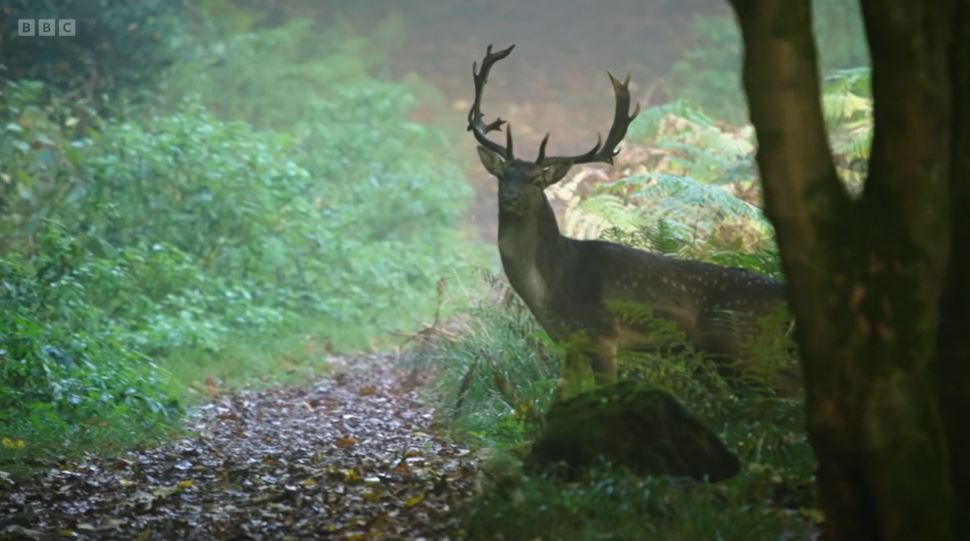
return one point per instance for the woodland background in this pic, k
(201, 196)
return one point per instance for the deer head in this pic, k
(520, 182)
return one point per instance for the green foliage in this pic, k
(649, 122)
(676, 199)
(694, 191)
(709, 73)
(610, 503)
(689, 190)
(848, 115)
(66, 372)
(386, 193)
(495, 375)
(274, 76)
(44, 139)
(389, 202)
(182, 237)
(678, 215)
(236, 78)
(214, 190)
(117, 43)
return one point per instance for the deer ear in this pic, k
(554, 173)
(493, 163)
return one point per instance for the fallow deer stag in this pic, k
(578, 288)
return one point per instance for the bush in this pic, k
(117, 43)
(181, 235)
(271, 77)
(494, 373)
(611, 503)
(66, 372)
(389, 199)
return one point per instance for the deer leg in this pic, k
(602, 359)
(577, 364)
(585, 355)
(575, 374)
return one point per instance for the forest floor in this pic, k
(352, 456)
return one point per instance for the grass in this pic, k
(288, 359)
(609, 503)
(495, 372)
(189, 376)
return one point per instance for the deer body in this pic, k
(582, 290)
(573, 286)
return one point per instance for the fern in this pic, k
(675, 195)
(693, 189)
(665, 237)
(854, 80)
(845, 106)
(692, 144)
(701, 163)
(649, 120)
(848, 114)
(765, 260)
(613, 210)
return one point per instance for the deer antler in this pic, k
(475, 123)
(601, 152)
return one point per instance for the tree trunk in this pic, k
(866, 275)
(954, 342)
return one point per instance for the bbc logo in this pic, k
(46, 27)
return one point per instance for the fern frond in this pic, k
(592, 216)
(676, 194)
(666, 237)
(649, 120)
(844, 106)
(855, 80)
(614, 210)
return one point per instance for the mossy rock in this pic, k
(642, 428)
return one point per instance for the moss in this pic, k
(632, 425)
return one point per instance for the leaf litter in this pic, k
(351, 457)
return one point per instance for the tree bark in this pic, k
(954, 341)
(866, 275)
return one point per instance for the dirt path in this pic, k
(349, 457)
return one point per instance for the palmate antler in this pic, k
(599, 153)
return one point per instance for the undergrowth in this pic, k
(686, 187)
(154, 252)
(494, 372)
(493, 368)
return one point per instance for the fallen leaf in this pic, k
(345, 442)
(351, 475)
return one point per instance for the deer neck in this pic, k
(525, 242)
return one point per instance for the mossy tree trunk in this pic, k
(880, 284)
(953, 363)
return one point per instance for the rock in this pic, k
(642, 428)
